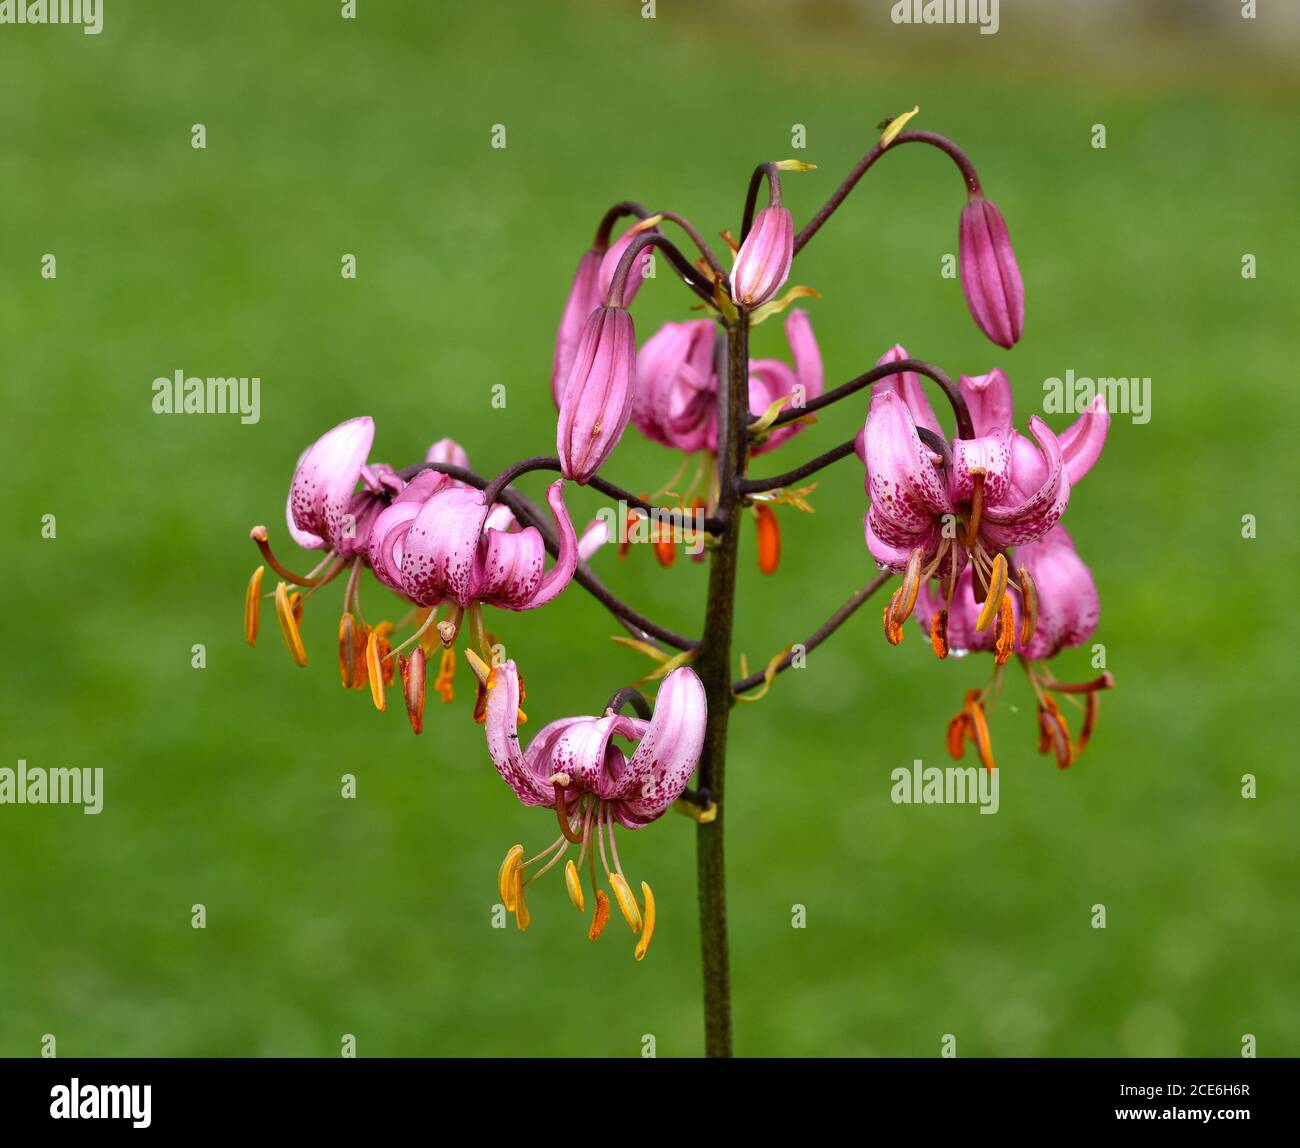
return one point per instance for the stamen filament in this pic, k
(259, 535)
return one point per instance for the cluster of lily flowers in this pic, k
(951, 515)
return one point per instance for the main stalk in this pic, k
(714, 668)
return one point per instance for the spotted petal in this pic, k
(668, 753)
(502, 727)
(1029, 512)
(320, 495)
(908, 494)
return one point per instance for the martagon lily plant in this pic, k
(966, 525)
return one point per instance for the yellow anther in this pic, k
(289, 624)
(481, 669)
(506, 876)
(648, 930)
(253, 606)
(1029, 607)
(375, 670)
(626, 901)
(997, 587)
(523, 918)
(573, 883)
(905, 598)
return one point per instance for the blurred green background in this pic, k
(373, 916)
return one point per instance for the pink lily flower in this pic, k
(441, 543)
(597, 400)
(676, 398)
(574, 767)
(763, 262)
(990, 276)
(1003, 489)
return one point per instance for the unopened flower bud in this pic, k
(990, 277)
(763, 261)
(597, 401)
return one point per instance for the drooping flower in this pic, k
(947, 502)
(325, 510)
(1057, 608)
(763, 262)
(676, 401)
(597, 400)
(574, 766)
(451, 547)
(990, 276)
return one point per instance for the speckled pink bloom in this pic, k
(574, 766)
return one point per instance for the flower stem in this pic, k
(714, 667)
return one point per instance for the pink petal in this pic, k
(988, 397)
(1026, 518)
(320, 494)
(502, 727)
(1083, 439)
(668, 753)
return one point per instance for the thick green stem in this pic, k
(714, 668)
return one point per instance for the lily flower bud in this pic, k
(597, 400)
(763, 262)
(990, 277)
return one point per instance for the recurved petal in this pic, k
(807, 355)
(668, 753)
(907, 488)
(908, 386)
(502, 727)
(988, 398)
(1083, 439)
(323, 481)
(1026, 517)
